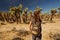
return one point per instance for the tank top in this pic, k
(36, 26)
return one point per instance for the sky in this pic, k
(46, 5)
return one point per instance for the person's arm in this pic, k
(30, 25)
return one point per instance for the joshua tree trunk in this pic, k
(59, 9)
(53, 11)
(51, 19)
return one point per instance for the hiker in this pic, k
(35, 26)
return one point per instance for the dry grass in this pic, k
(50, 31)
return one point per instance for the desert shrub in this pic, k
(17, 38)
(55, 36)
(23, 33)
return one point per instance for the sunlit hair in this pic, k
(36, 15)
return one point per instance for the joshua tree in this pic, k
(58, 15)
(30, 15)
(12, 13)
(23, 17)
(53, 11)
(59, 9)
(20, 7)
(46, 16)
(18, 12)
(25, 11)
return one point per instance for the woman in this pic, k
(35, 26)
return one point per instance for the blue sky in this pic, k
(46, 5)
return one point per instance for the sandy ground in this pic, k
(49, 29)
(6, 32)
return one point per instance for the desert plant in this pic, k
(26, 9)
(53, 11)
(17, 38)
(59, 9)
(55, 36)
